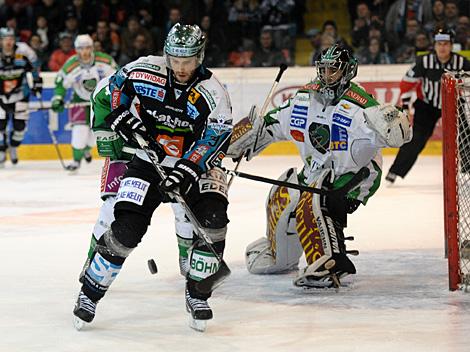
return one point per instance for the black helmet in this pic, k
(336, 68)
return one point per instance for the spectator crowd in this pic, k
(240, 33)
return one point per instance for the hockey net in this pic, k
(456, 165)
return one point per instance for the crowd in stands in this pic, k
(240, 33)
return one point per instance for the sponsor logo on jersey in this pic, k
(319, 135)
(298, 116)
(167, 120)
(148, 90)
(146, 65)
(311, 86)
(210, 100)
(297, 135)
(193, 96)
(342, 120)
(220, 125)
(192, 111)
(173, 146)
(339, 138)
(357, 97)
(144, 76)
(345, 106)
(115, 99)
(198, 153)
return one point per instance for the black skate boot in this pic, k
(74, 166)
(199, 310)
(88, 157)
(84, 311)
(13, 155)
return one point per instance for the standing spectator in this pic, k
(361, 25)
(60, 55)
(401, 11)
(110, 41)
(265, 54)
(373, 55)
(425, 77)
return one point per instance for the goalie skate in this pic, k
(200, 312)
(84, 311)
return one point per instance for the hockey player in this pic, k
(81, 72)
(16, 61)
(338, 129)
(185, 115)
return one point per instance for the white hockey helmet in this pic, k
(83, 41)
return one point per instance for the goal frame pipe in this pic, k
(449, 162)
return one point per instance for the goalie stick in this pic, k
(362, 174)
(211, 282)
(282, 68)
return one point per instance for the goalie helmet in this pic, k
(335, 69)
(185, 41)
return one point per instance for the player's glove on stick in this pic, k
(124, 123)
(37, 86)
(58, 104)
(184, 176)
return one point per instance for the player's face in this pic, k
(85, 54)
(183, 67)
(332, 74)
(8, 43)
(443, 49)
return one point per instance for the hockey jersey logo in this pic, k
(319, 135)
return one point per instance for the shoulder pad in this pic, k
(359, 96)
(71, 64)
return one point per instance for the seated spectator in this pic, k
(327, 40)
(213, 55)
(51, 10)
(110, 41)
(405, 52)
(438, 17)
(373, 55)
(60, 55)
(451, 12)
(242, 56)
(422, 42)
(36, 44)
(42, 30)
(401, 11)
(147, 22)
(462, 33)
(329, 27)
(85, 13)
(174, 17)
(71, 25)
(140, 47)
(314, 36)
(129, 34)
(265, 54)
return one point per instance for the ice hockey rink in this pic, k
(398, 301)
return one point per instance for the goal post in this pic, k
(456, 175)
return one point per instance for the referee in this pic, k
(425, 77)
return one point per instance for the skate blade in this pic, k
(78, 323)
(198, 325)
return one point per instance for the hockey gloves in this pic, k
(58, 104)
(184, 176)
(37, 86)
(125, 124)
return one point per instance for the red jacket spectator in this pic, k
(60, 55)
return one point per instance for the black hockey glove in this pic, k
(184, 176)
(37, 86)
(124, 123)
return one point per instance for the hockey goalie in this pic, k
(338, 129)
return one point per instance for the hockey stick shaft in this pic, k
(282, 68)
(362, 174)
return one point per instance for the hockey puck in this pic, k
(152, 266)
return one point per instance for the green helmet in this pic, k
(185, 41)
(336, 61)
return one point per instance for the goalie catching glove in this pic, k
(392, 125)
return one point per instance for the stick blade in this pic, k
(210, 283)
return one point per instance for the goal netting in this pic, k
(456, 164)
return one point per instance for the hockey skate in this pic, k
(88, 157)
(390, 178)
(2, 159)
(81, 277)
(84, 311)
(13, 155)
(74, 166)
(200, 312)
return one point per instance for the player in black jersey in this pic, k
(185, 111)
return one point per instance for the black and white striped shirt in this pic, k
(427, 72)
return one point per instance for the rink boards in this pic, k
(246, 86)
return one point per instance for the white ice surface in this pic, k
(398, 301)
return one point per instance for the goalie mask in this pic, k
(184, 50)
(335, 69)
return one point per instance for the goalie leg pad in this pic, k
(321, 239)
(279, 251)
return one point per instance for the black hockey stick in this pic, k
(282, 68)
(362, 174)
(208, 284)
(52, 135)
